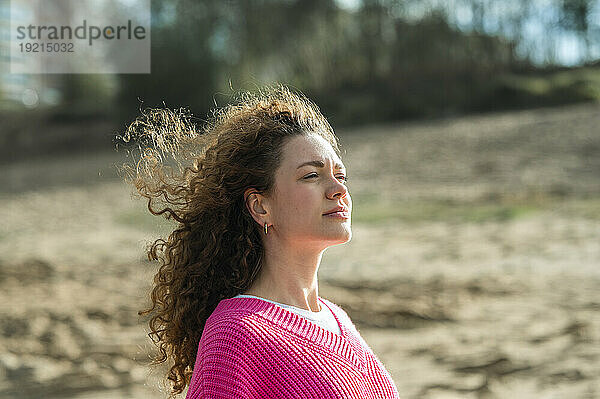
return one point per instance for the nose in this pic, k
(338, 190)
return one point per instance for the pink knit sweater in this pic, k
(252, 348)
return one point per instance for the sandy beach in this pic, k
(473, 271)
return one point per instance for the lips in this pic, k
(337, 209)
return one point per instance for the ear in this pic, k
(257, 205)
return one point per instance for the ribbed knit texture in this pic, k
(324, 317)
(251, 348)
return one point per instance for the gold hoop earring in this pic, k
(266, 227)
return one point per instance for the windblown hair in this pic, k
(216, 250)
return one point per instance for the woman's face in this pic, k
(309, 182)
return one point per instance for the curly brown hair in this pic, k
(215, 252)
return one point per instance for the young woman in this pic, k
(236, 303)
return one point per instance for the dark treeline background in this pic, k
(361, 61)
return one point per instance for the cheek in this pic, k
(301, 201)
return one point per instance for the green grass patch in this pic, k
(370, 209)
(142, 218)
(580, 83)
(381, 212)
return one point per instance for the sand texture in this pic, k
(473, 272)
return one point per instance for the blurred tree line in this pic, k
(376, 61)
(361, 61)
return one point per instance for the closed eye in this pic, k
(309, 176)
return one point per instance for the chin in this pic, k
(342, 237)
(333, 243)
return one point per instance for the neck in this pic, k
(289, 276)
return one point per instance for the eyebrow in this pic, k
(320, 164)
